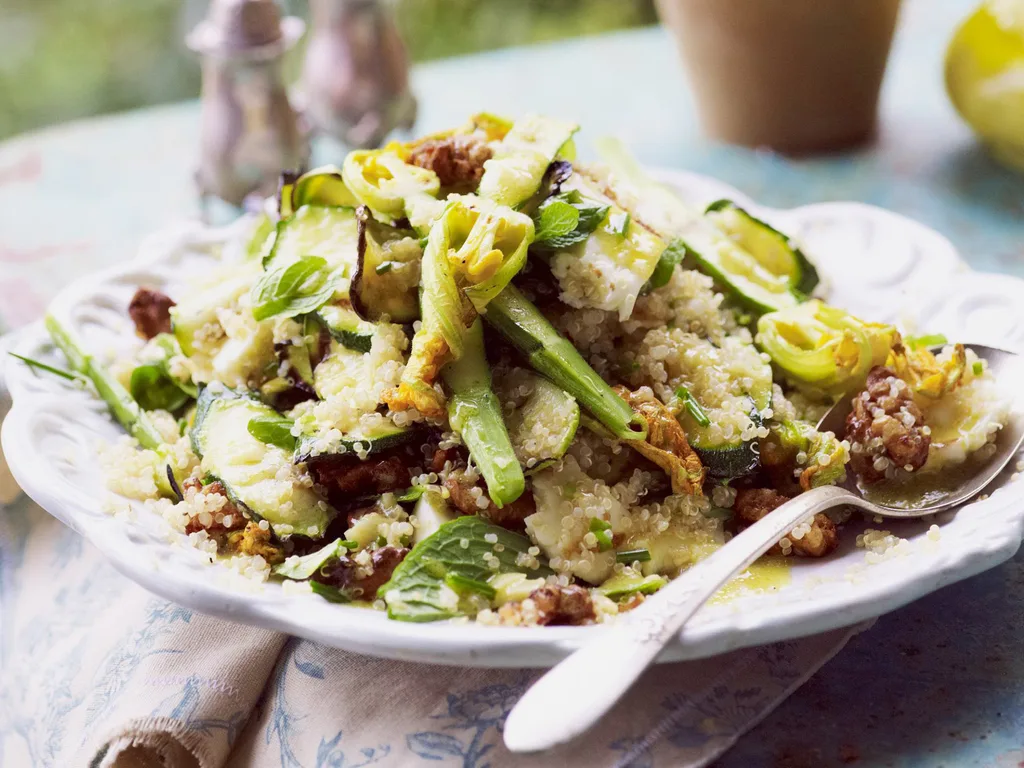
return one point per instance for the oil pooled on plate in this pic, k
(767, 574)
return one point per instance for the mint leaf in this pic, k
(670, 258)
(556, 218)
(417, 589)
(588, 214)
(154, 389)
(303, 286)
(273, 430)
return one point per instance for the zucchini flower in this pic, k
(929, 375)
(666, 443)
(391, 187)
(822, 349)
(520, 159)
(826, 454)
(473, 251)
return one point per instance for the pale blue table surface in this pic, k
(939, 683)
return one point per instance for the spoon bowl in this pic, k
(928, 493)
(554, 710)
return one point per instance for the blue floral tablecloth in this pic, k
(939, 683)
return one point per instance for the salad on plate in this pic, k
(470, 377)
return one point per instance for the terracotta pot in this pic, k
(793, 75)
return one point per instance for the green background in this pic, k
(62, 59)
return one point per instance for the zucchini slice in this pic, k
(316, 230)
(346, 327)
(320, 186)
(372, 441)
(773, 250)
(738, 458)
(387, 273)
(718, 256)
(259, 477)
(543, 427)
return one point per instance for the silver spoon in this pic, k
(577, 692)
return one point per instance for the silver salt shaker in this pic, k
(249, 131)
(355, 79)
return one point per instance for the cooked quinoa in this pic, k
(530, 397)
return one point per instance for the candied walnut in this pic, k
(442, 456)
(457, 160)
(348, 478)
(355, 581)
(886, 428)
(512, 516)
(150, 310)
(563, 605)
(255, 541)
(754, 503)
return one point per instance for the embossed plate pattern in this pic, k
(877, 264)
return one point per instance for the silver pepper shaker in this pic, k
(355, 79)
(249, 131)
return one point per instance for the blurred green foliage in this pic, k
(61, 59)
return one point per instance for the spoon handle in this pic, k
(574, 695)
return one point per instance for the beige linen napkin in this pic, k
(96, 672)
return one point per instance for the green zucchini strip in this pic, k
(122, 405)
(554, 356)
(474, 411)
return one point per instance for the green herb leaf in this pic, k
(602, 531)
(618, 223)
(329, 593)
(929, 340)
(303, 286)
(628, 556)
(273, 430)
(416, 591)
(694, 408)
(717, 513)
(670, 258)
(409, 494)
(300, 568)
(154, 389)
(48, 368)
(588, 217)
(463, 584)
(555, 218)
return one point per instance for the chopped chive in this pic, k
(463, 584)
(693, 406)
(383, 268)
(930, 340)
(632, 556)
(602, 531)
(978, 367)
(348, 544)
(48, 368)
(329, 593)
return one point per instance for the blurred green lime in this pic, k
(985, 76)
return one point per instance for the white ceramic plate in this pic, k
(879, 265)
